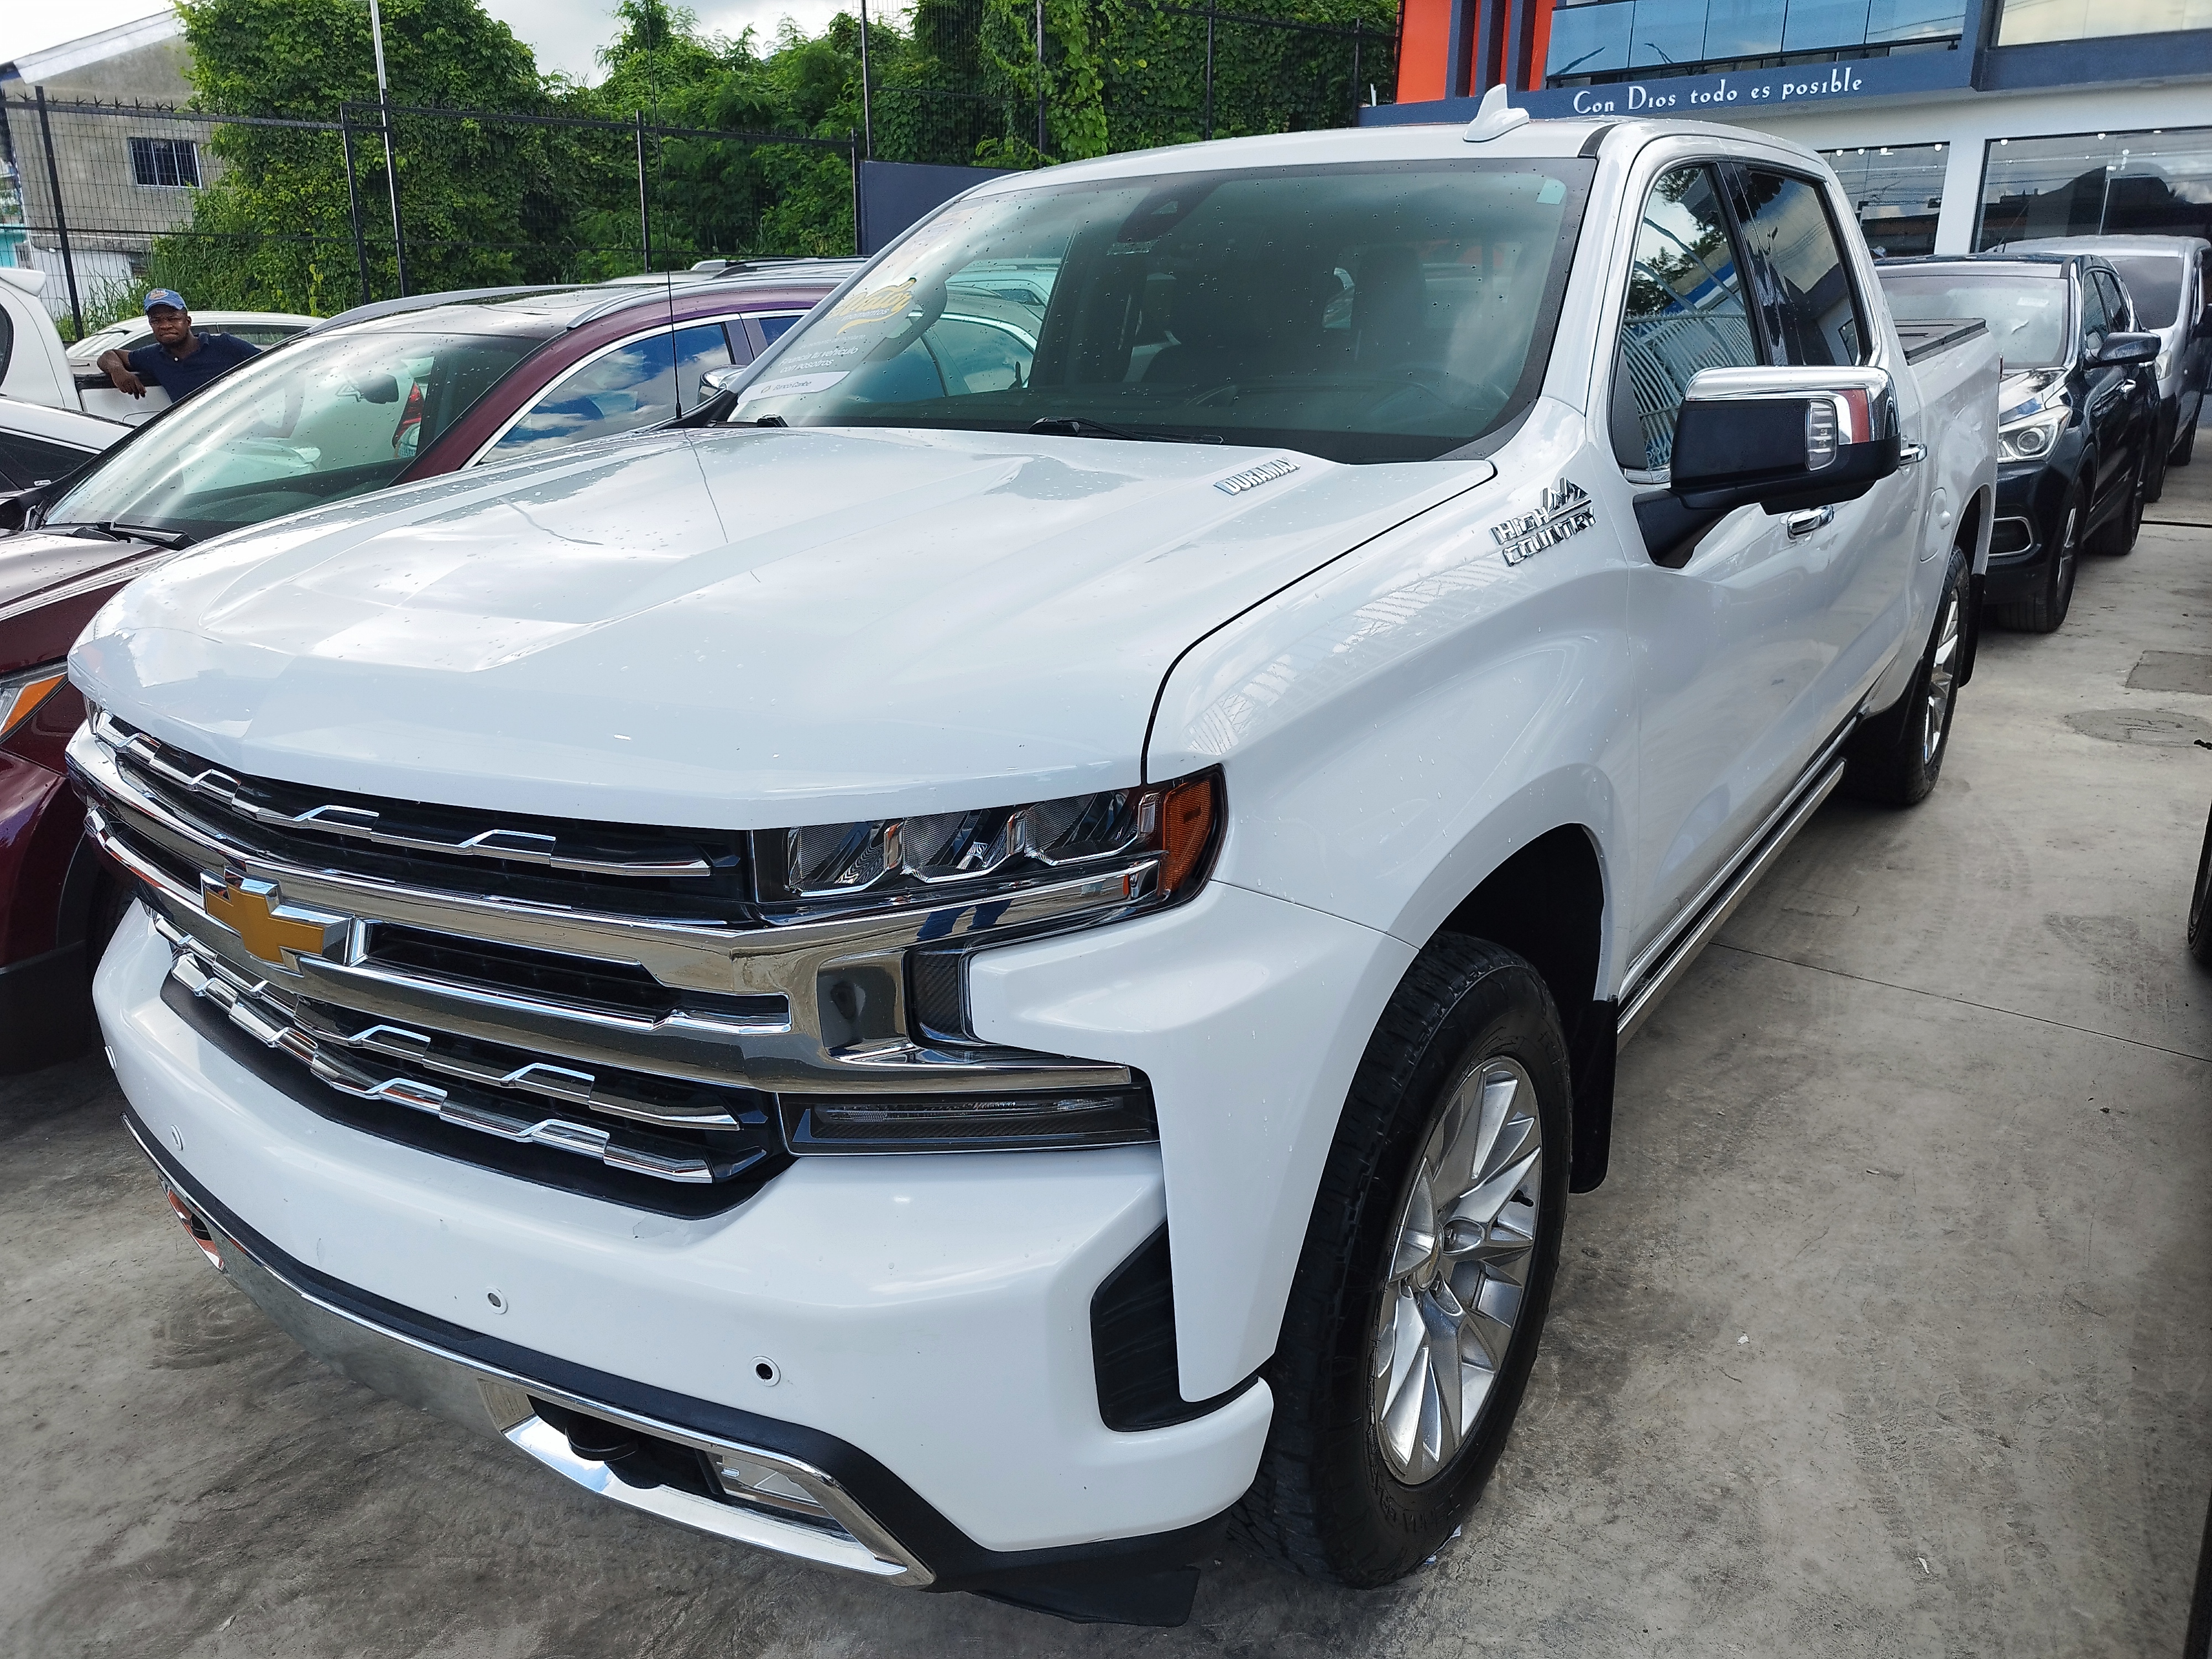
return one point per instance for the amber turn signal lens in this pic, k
(19, 698)
(1187, 830)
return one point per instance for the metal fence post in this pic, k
(867, 115)
(353, 204)
(1209, 68)
(61, 219)
(860, 209)
(644, 215)
(392, 178)
(1355, 71)
(1040, 79)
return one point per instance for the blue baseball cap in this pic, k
(166, 296)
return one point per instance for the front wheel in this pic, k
(1896, 758)
(2117, 538)
(1426, 1272)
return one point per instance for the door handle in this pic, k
(1912, 454)
(1804, 524)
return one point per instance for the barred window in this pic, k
(164, 162)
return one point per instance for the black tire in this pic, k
(2200, 903)
(2182, 450)
(1896, 758)
(2115, 538)
(1326, 1501)
(2043, 613)
(2155, 466)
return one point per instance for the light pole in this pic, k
(384, 117)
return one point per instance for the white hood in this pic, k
(734, 629)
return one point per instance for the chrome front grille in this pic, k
(667, 1050)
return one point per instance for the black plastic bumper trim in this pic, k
(1147, 1580)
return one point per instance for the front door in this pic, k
(1725, 652)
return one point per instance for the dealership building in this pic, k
(1955, 124)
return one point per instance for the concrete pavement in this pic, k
(1889, 1333)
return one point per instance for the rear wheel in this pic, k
(1896, 759)
(1427, 1269)
(2181, 451)
(2047, 608)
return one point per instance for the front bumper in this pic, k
(2028, 498)
(927, 1320)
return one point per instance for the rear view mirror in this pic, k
(2122, 349)
(376, 389)
(1781, 439)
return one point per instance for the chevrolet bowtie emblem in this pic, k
(265, 924)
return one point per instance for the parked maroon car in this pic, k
(387, 394)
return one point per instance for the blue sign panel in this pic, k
(1713, 97)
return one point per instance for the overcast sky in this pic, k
(564, 34)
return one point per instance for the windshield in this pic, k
(2154, 282)
(1379, 313)
(2025, 313)
(311, 423)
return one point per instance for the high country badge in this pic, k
(1567, 511)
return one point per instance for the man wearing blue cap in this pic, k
(180, 361)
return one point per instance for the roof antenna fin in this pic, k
(1494, 117)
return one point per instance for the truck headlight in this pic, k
(1160, 837)
(2031, 440)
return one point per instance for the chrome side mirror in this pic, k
(1781, 439)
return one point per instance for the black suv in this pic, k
(2077, 411)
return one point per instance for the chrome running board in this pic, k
(1668, 958)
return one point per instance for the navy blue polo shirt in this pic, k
(180, 378)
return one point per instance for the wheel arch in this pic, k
(1546, 902)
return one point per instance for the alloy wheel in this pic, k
(1942, 682)
(1452, 1294)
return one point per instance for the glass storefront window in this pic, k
(1897, 191)
(1631, 35)
(2102, 183)
(1592, 39)
(2025, 23)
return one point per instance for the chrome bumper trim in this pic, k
(491, 1401)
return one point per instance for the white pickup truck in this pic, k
(1205, 691)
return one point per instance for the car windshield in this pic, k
(315, 421)
(1376, 313)
(2154, 282)
(2025, 311)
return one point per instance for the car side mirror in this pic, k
(717, 396)
(1781, 439)
(2120, 349)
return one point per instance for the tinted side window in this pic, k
(1685, 312)
(30, 462)
(1808, 308)
(630, 386)
(2096, 316)
(7, 340)
(2117, 303)
(700, 348)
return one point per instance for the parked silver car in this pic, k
(2167, 280)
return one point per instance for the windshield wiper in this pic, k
(1082, 426)
(117, 531)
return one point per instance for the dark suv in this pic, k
(388, 394)
(2077, 412)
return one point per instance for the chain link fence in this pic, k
(316, 215)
